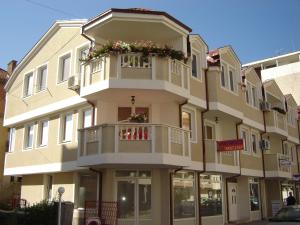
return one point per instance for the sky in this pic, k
(256, 29)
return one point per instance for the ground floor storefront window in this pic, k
(210, 195)
(184, 195)
(287, 188)
(254, 194)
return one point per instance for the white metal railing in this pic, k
(91, 140)
(135, 61)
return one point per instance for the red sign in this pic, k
(230, 145)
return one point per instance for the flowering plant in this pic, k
(138, 118)
(144, 47)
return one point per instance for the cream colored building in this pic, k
(69, 125)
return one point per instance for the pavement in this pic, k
(261, 222)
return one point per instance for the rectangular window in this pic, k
(254, 196)
(254, 143)
(209, 132)
(87, 118)
(248, 90)
(65, 66)
(184, 195)
(231, 80)
(210, 195)
(87, 188)
(245, 137)
(254, 97)
(82, 54)
(67, 127)
(12, 136)
(223, 78)
(43, 133)
(188, 123)
(194, 66)
(28, 85)
(28, 136)
(42, 78)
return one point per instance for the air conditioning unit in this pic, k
(93, 221)
(265, 144)
(73, 83)
(265, 106)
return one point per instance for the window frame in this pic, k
(77, 64)
(62, 127)
(247, 148)
(193, 122)
(39, 135)
(11, 140)
(25, 141)
(257, 140)
(199, 71)
(253, 182)
(38, 78)
(226, 74)
(26, 85)
(60, 67)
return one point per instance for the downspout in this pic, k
(93, 111)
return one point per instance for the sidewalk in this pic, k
(262, 222)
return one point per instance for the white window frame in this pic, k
(38, 77)
(249, 90)
(25, 86)
(77, 64)
(227, 67)
(59, 68)
(257, 138)
(12, 139)
(80, 121)
(25, 147)
(39, 137)
(213, 126)
(247, 142)
(62, 127)
(199, 69)
(193, 114)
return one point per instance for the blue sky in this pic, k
(255, 28)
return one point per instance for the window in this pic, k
(254, 97)
(28, 136)
(210, 195)
(28, 85)
(194, 66)
(41, 78)
(64, 67)
(87, 118)
(254, 194)
(125, 113)
(209, 132)
(245, 138)
(223, 79)
(184, 195)
(292, 114)
(253, 94)
(231, 80)
(11, 140)
(87, 188)
(67, 127)
(81, 54)
(254, 143)
(43, 133)
(188, 119)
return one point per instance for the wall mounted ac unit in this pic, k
(73, 83)
(265, 106)
(265, 144)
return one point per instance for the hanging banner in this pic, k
(230, 145)
(285, 162)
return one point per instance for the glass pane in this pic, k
(87, 118)
(44, 133)
(144, 198)
(211, 195)
(231, 80)
(87, 189)
(65, 68)
(223, 77)
(125, 197)
(254, 197)
(124, 113)
(194, 66)
(186, 120)
(209, 132)
(68, 128)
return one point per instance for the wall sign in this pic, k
(230, 145)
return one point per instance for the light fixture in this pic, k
(216, 119)
(132, 99)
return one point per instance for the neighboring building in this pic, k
(284, 69)
(195, 150)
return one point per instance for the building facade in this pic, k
(170, 141)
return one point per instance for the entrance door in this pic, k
(232, 201)
(134, 198)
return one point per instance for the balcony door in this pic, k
(232, 201)
(134, 198)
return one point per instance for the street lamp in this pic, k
(60, 190)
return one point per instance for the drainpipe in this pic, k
(100, 191)
(93, 111)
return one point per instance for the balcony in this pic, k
(276, 165)
(134, 71)
(134, 144)
(276, 123)
(220, 161)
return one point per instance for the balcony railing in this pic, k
(277, 165)
(134, 138)
(135, 67)
(277, 121)
(213, 156)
